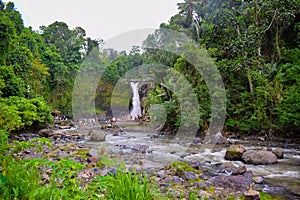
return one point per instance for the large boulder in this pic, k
(259, 157)
(235, 152)
(46, 132)
(98, 135)
(239, 182)
(279, 153)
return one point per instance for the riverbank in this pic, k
(177, 167)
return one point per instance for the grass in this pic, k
(22, 179)
(265, 196)
(124, 186)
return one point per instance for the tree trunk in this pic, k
(205, 123)
(277, 44)
(250, 82)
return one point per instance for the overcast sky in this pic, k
(101, 19)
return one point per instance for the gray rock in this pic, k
(93, 153)
(46, 132)
(112, 171)
(279, 153)
(239, 182)
(189, 176)
(248, 174)
(228, 166)
(161, 174)
(259, 157)
(176, 179)
(218, 138)
(62, 155)
(27, 151)
(138, 148)
(252, 195)
(197, 140)
(97, 135)
(45, 178)
(259, 180)
(294, 190)
(240, 170)
(195, 164)
(235, 152)
(203, 185)
(120, 133)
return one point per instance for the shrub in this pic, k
(19, 113)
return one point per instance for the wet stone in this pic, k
(112, 171)
(195, 164)
(161, 174)
(92, 160)
(259, 180)
(259, 157)
(239, 182)
(248, 174)
(294, 190)
(189, 176)
(176, 179)
(93, 153)
(228, 166)
(185, 155)
(235, 152)
(140, 148)
(27, 151)
(163, 185)
(239, 170)
(279, 153)
(252, 195)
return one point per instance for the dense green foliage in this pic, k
(19, 113)
(255, 45)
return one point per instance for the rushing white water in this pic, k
(136, 104)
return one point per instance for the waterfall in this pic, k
(136, 106)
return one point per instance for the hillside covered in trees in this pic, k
(255, 45)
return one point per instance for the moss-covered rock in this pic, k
(181, 167)
(235, 152)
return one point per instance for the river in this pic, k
(281, 179)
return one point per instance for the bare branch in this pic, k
(275, 13)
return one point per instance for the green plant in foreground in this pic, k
(18, 179)
(124, 186)
(64, 183)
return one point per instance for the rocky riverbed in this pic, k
(178, 167)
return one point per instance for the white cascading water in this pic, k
(136, 105)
